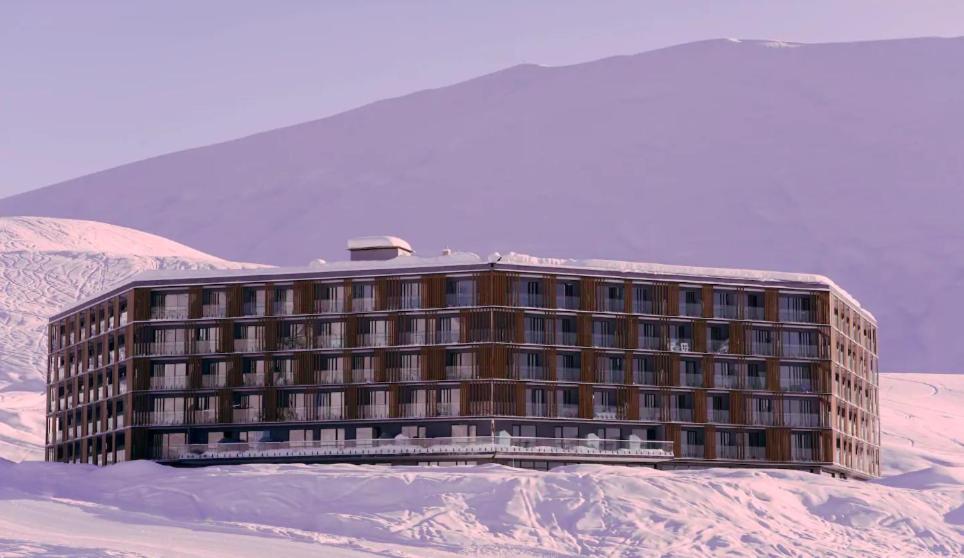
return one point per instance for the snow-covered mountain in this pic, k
(839, 159)
(46, 265)
(144, 509)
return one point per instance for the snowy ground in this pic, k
(142, 509)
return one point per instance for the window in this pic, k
(459, 291)
(796, 377)
(362, 297)
(329, 297)
(690, 301)
(754, 305)
(567, 295)
(724, 304)
(796, 308)
(643, 299)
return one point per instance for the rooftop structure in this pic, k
(459, 358)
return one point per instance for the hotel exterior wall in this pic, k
(102, 404)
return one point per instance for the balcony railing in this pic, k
(283, 308)
(719, 346)
(205, 346)
(454, 300)
(649, 413)
(327, 305)
(605, 412)
(213, 311)
(567, 302)
(460, 372)
(756, 382)
(292, 343)
(283, 378)
(722, 380)
(567, 411)
(446, 409)
(803, 454)
(691, 309)
(247, 415)
(362, 376)
(412, 338)
(372, 339)
(534, 337)
(252, 309)
(755, 452)
(207, 416)
(444, 337)
(253, 379)
(531, 300)
(644, 306)
(649, 343)
(568, 374)
(161, 418)
(567, 338)
(292, 414)
(801, 351)
(677, 414)
(248, 345)
(168, 313)
(728, 452)
(329, 413)
(762, 419)
(692, 380)
(603, 340)
(168, 382)
(362, 304)
(520, 446)
(529, 373)
(405, 374)
(373, 411)
(329, 376)
(213, 380)
(537, 410)
(726, 311)
(719, 416)
(692, 450)
(329, 342)
(754, 313)
(806, 420)
(412, 410)
(610, 376)
(644, 377)
(612, 305)
(802, 316)
(165, 348)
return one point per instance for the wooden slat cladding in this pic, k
(778, 444)
(195, 301)
(671, 304)
(709, 442)
(771, 305)
(233, 297)
(587, 294)
(707, 301)
(304, 297)
(433, 291)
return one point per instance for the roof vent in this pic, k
(372, 248)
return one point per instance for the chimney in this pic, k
(373, 248)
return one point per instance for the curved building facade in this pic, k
(461, 359)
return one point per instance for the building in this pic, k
(457, 358)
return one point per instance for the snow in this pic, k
(378, 241)
(45, 265)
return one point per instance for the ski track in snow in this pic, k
(143, 509)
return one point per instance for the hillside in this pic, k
(46, 265)
(838, 159)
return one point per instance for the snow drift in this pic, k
(46, 265)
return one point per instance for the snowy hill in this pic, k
(341, 510)
(839, 159)
(46, 265)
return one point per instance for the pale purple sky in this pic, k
(85, 86)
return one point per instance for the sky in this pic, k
(86, 86)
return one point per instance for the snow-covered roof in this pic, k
(378, 241)
(519, 261)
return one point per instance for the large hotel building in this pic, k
(394, 358)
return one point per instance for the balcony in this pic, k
(719, 346)
(762, 419)
(363, 376)
(460, 372)
(605, 412)
(724, 380)
(529, 373)
(362, 304)
(644, 377)
(247, 415)
(446, 409)
(677, 414)
(806, 420)
(372, 339)
(248, 345)
(292, 343)
(756, 382)
(567, 302)
(445, 337)
(604, 340)
(692, 380)
(373, 411)
(206, 346)
(567, 411)
(283, 378)
(762, 349)
(800, 316)
(719, 416)
(283, 308)
(725, 311)
(567, 338)
(168, 313)
(406, 374)
(644, 306)
(801, 351)
(252, 379)
(457, 300)
(292, 414)
(754, 313)
(207, 416)
(537, 410)
(213, 311)
(168, 382)
(329, 342)
(796, 385)
(756, 452)
(649, 343)
(166, 348)
(330, 413)
(692, 450)
(728, 452)
(568, 374)
(612, 305)
(611, 376)
(691, 309)
(252, 309)
(213, 380)
(412, 338)
(681, 345)
(649, 413)
(534, 337)
(531, 300)
(412, 410)
(803, 454)
(164, 418)
(329, 376)
(517, 447)
(329, 306)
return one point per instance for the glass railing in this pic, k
(677, 414)
(283, 308)
(373, 411)
(168, 382)
(291, 414)
(247, 415)
(567, 338)
(568, 374)
(252, 379)
(681, 345)
(804, 316)
(567, 302)
(460, 372)
(329, 342)
(446, 409)
(649, 413)
(530, 300)
(726, 380)
(644, 306)
(444, 337)
(797, 350)
(692, 380)
(807, 420)
(252, 309)
(726, 311)
(412, 410)
(691, 309)
(612, 305)
(603, 340)
(756, 382)
(534, 337)
(213, 380)
(248, 345)
(754, 313)
(567, 411)
(329, 413)
(162, 348)
(537, 410)
(649, 343)
(205, 346)
(604, 412)
(644, 377)
(329, 376)
(719, 346)
(405, 375)
(372, 339)
(453, 300)
(292, 343)
(529, 373)
(207, 416)
(692, 450)
(803, 454)
(610, 376)
(639, 449)
(168, 313)
(329, 306)
(412, 338)
(362, 376)
(362, 304)
(762, 419)
(213, 311)
(721, 416)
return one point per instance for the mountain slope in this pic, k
(840, 159)
(46, 265)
